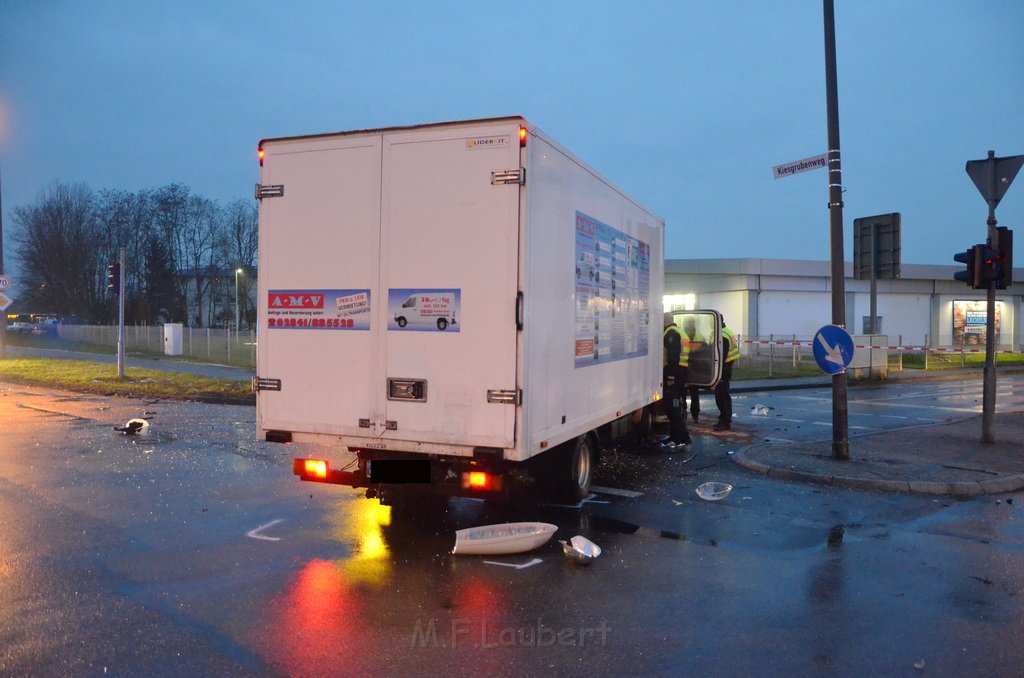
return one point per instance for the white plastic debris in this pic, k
(714, 491)
(760, 410)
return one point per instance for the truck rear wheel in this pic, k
(442, 324)
(576, 462)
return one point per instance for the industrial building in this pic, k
(782, 298)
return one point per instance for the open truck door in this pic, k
(703, 329)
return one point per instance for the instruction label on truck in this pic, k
(613, 281)
(318, 309)
(424, 310)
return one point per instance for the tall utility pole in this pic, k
(840, 439)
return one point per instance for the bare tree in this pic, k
(194, 253)
(182, 253)
(58, 248)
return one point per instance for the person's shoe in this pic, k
(722, 426)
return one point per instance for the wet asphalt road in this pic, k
(191, 549)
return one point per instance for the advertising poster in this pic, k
(318, 309)
(613, 279)
(969, 322)
(424, 310)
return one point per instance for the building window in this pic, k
(679, 302)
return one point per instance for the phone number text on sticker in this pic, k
(347, 309)
(325, 323)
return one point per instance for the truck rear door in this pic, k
(319, 246)
(450, 237)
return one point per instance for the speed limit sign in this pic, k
(4, 282)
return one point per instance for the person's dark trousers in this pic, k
(673, 406)
(694, 392)
(723, 399)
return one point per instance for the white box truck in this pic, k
(461, 305)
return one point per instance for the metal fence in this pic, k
(779, 355)
(225, 347)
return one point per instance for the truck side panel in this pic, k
(592, 347)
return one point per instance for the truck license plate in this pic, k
(399, 471)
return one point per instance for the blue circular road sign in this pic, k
(833, 349)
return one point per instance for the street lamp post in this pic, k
(237, 325)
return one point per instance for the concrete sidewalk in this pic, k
(947, 459)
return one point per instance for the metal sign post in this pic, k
(876, 254)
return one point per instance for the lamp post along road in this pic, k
(237, 313)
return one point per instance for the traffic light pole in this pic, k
(840, 439)
(988, 391)
(993, 177)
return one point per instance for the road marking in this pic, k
(616, 491)
(522, 566)
(589, 500)
(255, 534)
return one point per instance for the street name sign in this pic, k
(804, 165)
(833, 349)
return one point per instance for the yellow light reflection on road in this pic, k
(360, 524)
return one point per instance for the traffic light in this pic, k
(972, 274)
(987, 260)
(114, 278)
(1004, 258)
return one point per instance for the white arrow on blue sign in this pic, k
(833, 349)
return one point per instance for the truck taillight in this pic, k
(261, 157)
(480, 480)
(316, 468)
(522, 138)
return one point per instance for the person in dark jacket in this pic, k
(674, 379)
(731, 353)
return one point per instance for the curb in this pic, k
(796, 383)
(1002, 485)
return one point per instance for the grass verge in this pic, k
(85, 376)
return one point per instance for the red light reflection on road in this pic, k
(316, 624)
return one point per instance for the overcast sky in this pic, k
(687, 105)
